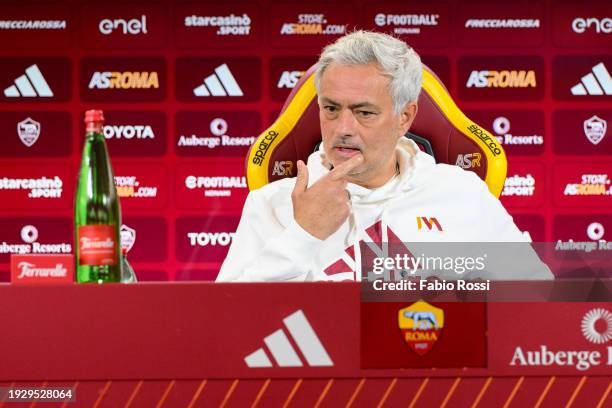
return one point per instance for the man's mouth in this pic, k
(347, 150)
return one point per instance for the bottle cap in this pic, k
(94, 115)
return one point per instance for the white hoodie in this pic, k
(426, 202)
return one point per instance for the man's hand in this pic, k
(323, 208)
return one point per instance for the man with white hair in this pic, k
(367, 183)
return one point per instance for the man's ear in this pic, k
(407, 116)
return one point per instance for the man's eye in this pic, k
(330, 108)
(365, 114)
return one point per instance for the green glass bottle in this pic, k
(97, 213)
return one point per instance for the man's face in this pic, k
(357, 117)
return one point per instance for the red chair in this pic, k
(440, 129)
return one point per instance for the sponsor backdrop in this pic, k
(187, 87)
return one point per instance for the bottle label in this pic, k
(97, 245)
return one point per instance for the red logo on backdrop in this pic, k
(520, 132)
(423, 335)
(501, 78)
(35, 26)
(310, 26)
(285, 72)
(488, 25)
(583, 184)
(44, 79)
(215, 79)
(211, 185)
(140, 186)
(216, 133)
(35, 269)
(421, 325)
(97, 245)
(36, 134)
(134, 133)
(582, 77)
(216, 25)
(582, 24)
(108, 79)
(425, 25)
(582, 132)
(123, 26)
(204, 239)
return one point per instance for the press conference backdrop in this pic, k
(187, 87)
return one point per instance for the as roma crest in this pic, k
(421, 325)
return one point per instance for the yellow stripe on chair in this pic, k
(259, 155)
(496, 158)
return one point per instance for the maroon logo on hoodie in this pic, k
(346, 265)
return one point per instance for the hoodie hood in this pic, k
(412, 162)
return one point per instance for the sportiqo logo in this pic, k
(216, 186)
(29, 236)
(501, 127)
(590, 185)
(218, 128)
(124, 80)
(133, 26)
(468, 160)
(203, 239)
(519, 186)
(596, 327)
(42, 187)
(581, 25)
(128, 132)
(406, 23)
(129, 187)
(226, 25)
(312, 24)
(502, 79)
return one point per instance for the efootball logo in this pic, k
(421, 325)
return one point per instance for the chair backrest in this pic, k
(440, 129)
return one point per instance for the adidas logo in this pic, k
(221, 83)
(283, 352)
(597, 82)
(31, 84)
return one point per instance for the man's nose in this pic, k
(346, 122)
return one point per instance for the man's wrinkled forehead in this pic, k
(361, 84)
